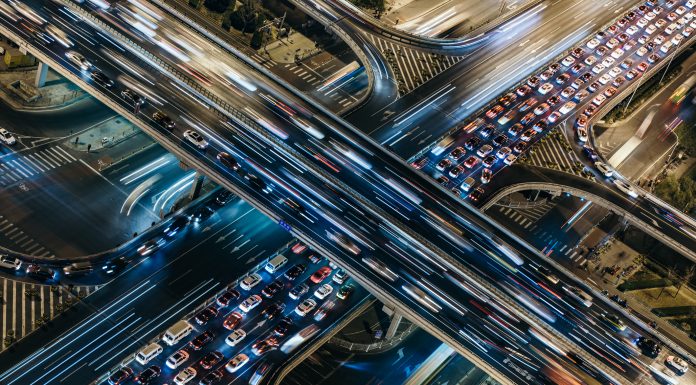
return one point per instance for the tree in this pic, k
(257, 39)
(237, 20)
(218, 6)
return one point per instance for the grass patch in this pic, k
(644, 284)
(674, 311)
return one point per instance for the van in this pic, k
(78, 268)
(177, 332)
(468, 183)
(275, 264)
(147, 353)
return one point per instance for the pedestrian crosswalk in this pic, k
(314, 80)
(14, 238)
(412, 68)
(554, 151)
(17, 167)
(264, 61)
(527, 217)
(23, 303)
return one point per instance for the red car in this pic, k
(298, 248)
(471, 162)
(227, 297)
(211, 359)
(121, 376)
(232, 320)
(320, 274)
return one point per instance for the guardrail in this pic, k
(375, 346)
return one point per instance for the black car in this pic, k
(178, 224)
(500, 140)
(211, 359)
(272, 288)
(487, 130)
(206, 315)
(590, 153)
(202, 213)
(115, 265)
(283, 326)
(649, 347)
(212, 378)
(201, 340)
(132, 97)
(148, 375)
(295, 271)
(472, 143)
(40, 273)
(228, 161)
(257, 183)
(225, 298)
(164, 120)
(273, 310)
(120, 376)
(102, 79)
(223, 197)
(476, 194)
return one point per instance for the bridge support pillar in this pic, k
(394, 325)
(41, 73)
(197, 184)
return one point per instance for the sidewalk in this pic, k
(18, 90)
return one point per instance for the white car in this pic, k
(651, 29)
(598, 68)
(510, 159)
(185, 376)
(323, 291)
(681, 10)
(671, 28)
(237, 362)
(666, 47)
(650, 15)
(687, 31)
(6, 137)
(568, 61)
(196, 139)
(625, 188)
(616, 71)
(676, 363)
(8, 262)
(677, 39)
(617, 53)
(642, 22)
(305, 307)
(599, 99)
(641, 51)
(592, 44)
(78, 60)
(503, 152)
(604, 169)
(632, 29)
(484, 150)
(545, 88)
(177, 358)
(590, 60)
(608, 61)
(605, 79)
(567, 107)
(250, 281)
(582, 134)
(250, 303)
(235, 337)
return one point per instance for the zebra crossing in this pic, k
(264, 61)
(16, 167)
(23, 303)
(412, 68)
(14, 238)
(314, 79)
(554, 152)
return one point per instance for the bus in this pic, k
(681, 92)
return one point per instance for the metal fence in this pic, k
(375, 346)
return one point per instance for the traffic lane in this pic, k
(145, 290)
(473, 74)
(255, 325)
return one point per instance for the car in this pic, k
(298, 291)
(237, 362)
(643, 39)
(7, 137)
(608, 62)
(454, 173)
(292, 273)
(582, 134)
(625, 188)
(680, 10)
(546, 273)
(456, 154)
(546, 75)
(175, 226)
(476, 194)
(687, 31)
(502, 121)
(495, 111)
(528, 135)
(323, 310)
(679, 365)
(202, 340)
(641, 51)
(321, 274)
(314, 258)
(120, 376)
(568, 92)
(553, 118)
(567, 107)
(500, 140)
(148, 375)
(323, 291)
(541, 109)
(601, 35)
(150, 247)
(540, 126)
(443, 164)
(598, 68)
(622, 22)
(533, 82)
(618, 81)
(593, 87)
(101, 79)
(562, 79)
(642, 67)
(604, 79)
(202, 213)
(205, 315)
(488, 129)
(659, 39)
(510, 159)
(235, 337)
(590, 60)
(340, 277)
(250, 281)
(613, 42)
(283, 326)
(484, 150)
(79, 60)
(581, 121)
(581, 95)
(577, 83)
(523, 90)
(650, 15)
(577, 52)
(552, 101)
(228, 161)
(132, 97)
(222, 197)
(273, 310)
(527, 118)
(615, 322)
(509, 98)
(232, 320)
(345, 291)
(649, 347)
(617, 53)
(609, 92)
(113, 266)
(593, 43)
(604, 169)
(211, 378)
(516, 129)
(272, 288)
(264, 346)
(10, 263)
(486, 175)
(632, 30)
(529, 103)
(677, 39)
(590, 153)
(211, 359)
(599, 99)
(651, 29)
(503, 152)
(196, 139)
(568, 60)
(471, 162)
(40, 273)
(545, 88)
(305, 307)
(250, 303)
(642, 22)
(590, 110)
(227, 297)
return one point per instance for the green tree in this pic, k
(218, 6)
(257, 39)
